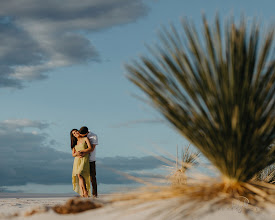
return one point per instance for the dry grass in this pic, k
(189, 159)
(266, 175)
(72, 206)
(200, 197)
(199, 194)
(76, 206)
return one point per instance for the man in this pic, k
(84, 131)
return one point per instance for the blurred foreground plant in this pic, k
(217, 89)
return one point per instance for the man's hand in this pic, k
(81, 154)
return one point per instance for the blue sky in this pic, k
(61, 67)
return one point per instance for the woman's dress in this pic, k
(81, 166)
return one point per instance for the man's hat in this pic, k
(83, 130)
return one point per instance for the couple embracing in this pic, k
(83, 144)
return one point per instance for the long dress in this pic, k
(81, 166)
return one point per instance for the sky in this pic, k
(62, 67)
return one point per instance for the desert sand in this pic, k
(118, 210)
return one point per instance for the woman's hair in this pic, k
(73, 138)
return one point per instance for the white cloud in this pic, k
(22, 123)
(39, 36)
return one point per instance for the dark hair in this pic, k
(73, 138)
(83, 130)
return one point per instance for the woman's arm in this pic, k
(75, 153)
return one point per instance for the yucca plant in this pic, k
(217, 89)
(189, 159)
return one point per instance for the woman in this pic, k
(81, 168)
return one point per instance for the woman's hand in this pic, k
(76, 153)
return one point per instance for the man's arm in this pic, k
(89, 149)
(92, 149)
(82, 153)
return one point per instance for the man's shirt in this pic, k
(94, 141)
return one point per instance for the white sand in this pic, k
(12, 205)
(118, 210)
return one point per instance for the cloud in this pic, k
(22, 123)
(39, 36)
(27, 157)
